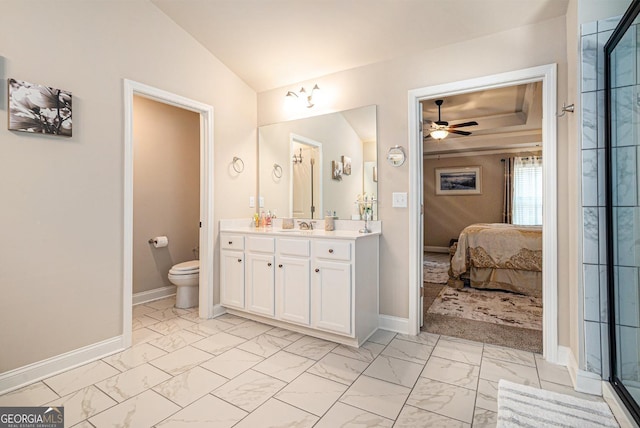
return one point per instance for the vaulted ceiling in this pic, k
(272, 43)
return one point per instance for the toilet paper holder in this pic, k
(159, 241)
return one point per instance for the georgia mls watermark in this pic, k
(32, 417)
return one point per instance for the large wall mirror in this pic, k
(322, 164)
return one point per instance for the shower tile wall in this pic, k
(594, 244)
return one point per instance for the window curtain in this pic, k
(527, 190)
(507, 200)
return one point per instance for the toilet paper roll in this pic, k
(160, 241)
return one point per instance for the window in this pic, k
(527, 191)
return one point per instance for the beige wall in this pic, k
(166, 194)
(386, 84)
(61, 222)
(446, 215)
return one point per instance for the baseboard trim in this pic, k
(583, 381)
(564, 355)
(155, 294)
(25, 375)
(219, 310)
(395, 324)
(433, 249)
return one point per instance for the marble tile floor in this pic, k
(183, 371)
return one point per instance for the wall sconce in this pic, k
(302, 97)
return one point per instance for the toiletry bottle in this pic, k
(256, 220)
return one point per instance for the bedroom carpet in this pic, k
(492, 306)
(435, 272)
(495, 334)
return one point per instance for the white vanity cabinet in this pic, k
(293, 281)
(332, 286)
(320, 284)
(232, 270)
(260, 275)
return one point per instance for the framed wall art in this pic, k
(336, 170)
(459, 181)
(39, 109)
(346, 165)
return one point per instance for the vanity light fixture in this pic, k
(302, 96)
(297, 158)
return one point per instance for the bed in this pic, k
(499, 256)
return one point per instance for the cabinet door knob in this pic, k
(317, 270)
(279, 266)
(230, 242)
(269, 264)
(330, 250)
(239, 260)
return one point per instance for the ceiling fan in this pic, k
(440, 129)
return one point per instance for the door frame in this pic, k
(547, 74)
(295, 138)
(205, 111)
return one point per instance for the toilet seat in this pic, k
(186, 268)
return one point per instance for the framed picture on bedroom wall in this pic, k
(465, 180)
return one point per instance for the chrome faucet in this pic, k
(303, 225)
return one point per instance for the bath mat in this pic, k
(492, 306)
(526, 406)
(435, 272)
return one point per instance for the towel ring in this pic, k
(277, 170)
(238, 164)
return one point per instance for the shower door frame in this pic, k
(623, 26)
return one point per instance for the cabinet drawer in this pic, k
(232, 242)
(333, 250)
(261, 244)
(294, 247)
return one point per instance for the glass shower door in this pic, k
(622, 95)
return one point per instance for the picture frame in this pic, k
(466, 180)
(336, 170)
(346, 165)
(39, 109)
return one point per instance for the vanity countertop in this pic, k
(316, 233)
(345, 229)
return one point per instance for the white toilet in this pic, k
(185, 276)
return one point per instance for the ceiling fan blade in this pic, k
(460, 125)
(454, 131)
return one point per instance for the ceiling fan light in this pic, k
(439, 134)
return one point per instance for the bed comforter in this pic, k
(500, 256)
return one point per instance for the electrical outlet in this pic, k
(252, 201)
(399, 200)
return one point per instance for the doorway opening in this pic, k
(306, 177)
(546, 75)
(206, 226)
(483, 216)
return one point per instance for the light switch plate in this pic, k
(252, 201)
(261, 201)
(399, 200)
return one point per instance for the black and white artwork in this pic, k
(346, 165)
(336, 170)
(39, 109)
(458, 181)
